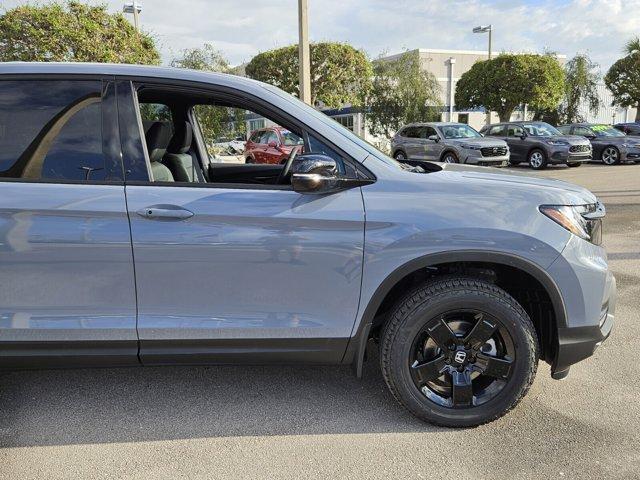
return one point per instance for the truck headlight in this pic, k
(585, 221)
(557, 143)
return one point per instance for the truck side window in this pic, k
(52, 129)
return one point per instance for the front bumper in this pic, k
(576, 344)
(630, 154)
(588, 289)
(563, 155)
(476, 158)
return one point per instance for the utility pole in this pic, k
(303, 52)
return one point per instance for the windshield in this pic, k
(540, 129)
(459, 131)
(606, 131)
(290, 139)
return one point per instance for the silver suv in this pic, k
(448, 143)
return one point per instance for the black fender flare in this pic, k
(356, 348)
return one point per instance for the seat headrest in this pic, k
(181, 140)
(157, 138)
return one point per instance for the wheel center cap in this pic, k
(460, 357)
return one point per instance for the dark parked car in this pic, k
(631, 129)
(271, 145)
(124, 246)
(449, 143)
(609, 144)
(539, 144)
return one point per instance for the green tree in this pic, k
(72, 32)
(340, 74)
(581, 85)
(401, 92)
(207, 58)
(216, 121)
(623, 78)
(509, 80)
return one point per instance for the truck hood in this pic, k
(550, 190)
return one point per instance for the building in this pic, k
(606, 113)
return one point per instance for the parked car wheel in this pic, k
(537, 159)
(249, 160)
(450, 157)
(400, 156)
(459, 352)
(514, 162)
(611, 156)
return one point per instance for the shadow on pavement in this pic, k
(57, 407)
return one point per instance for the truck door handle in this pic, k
(165, 212)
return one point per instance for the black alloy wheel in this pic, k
(462, 358)
(458, 351)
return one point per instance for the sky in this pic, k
(241, 29)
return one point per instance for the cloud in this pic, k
(242, 29)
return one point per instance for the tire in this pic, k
(574, 165)
(450, 157)
(514, 162)
(537, 159)
(400, 156)
(249, 160)
(434, 301)
(610, 155)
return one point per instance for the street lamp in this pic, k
(485, 29)
(134, 8)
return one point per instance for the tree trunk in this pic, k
(638, 112)
(505, 115)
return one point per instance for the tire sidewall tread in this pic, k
(405, 321)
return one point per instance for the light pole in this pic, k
(452, 62)
(303, 53)
(485, 29)
(136, 9)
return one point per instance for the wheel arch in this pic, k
(398, 150)
(537, 147)
(449, 150)
(471, 262)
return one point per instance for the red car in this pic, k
(270, 145)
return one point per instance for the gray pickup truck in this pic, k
(123, 244)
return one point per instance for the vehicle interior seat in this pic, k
(178, 158)
(157, 138)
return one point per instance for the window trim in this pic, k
(145, 151)
(242, 98)
(110, 146)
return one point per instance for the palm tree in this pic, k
(632, 46)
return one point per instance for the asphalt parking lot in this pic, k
(298, 422)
